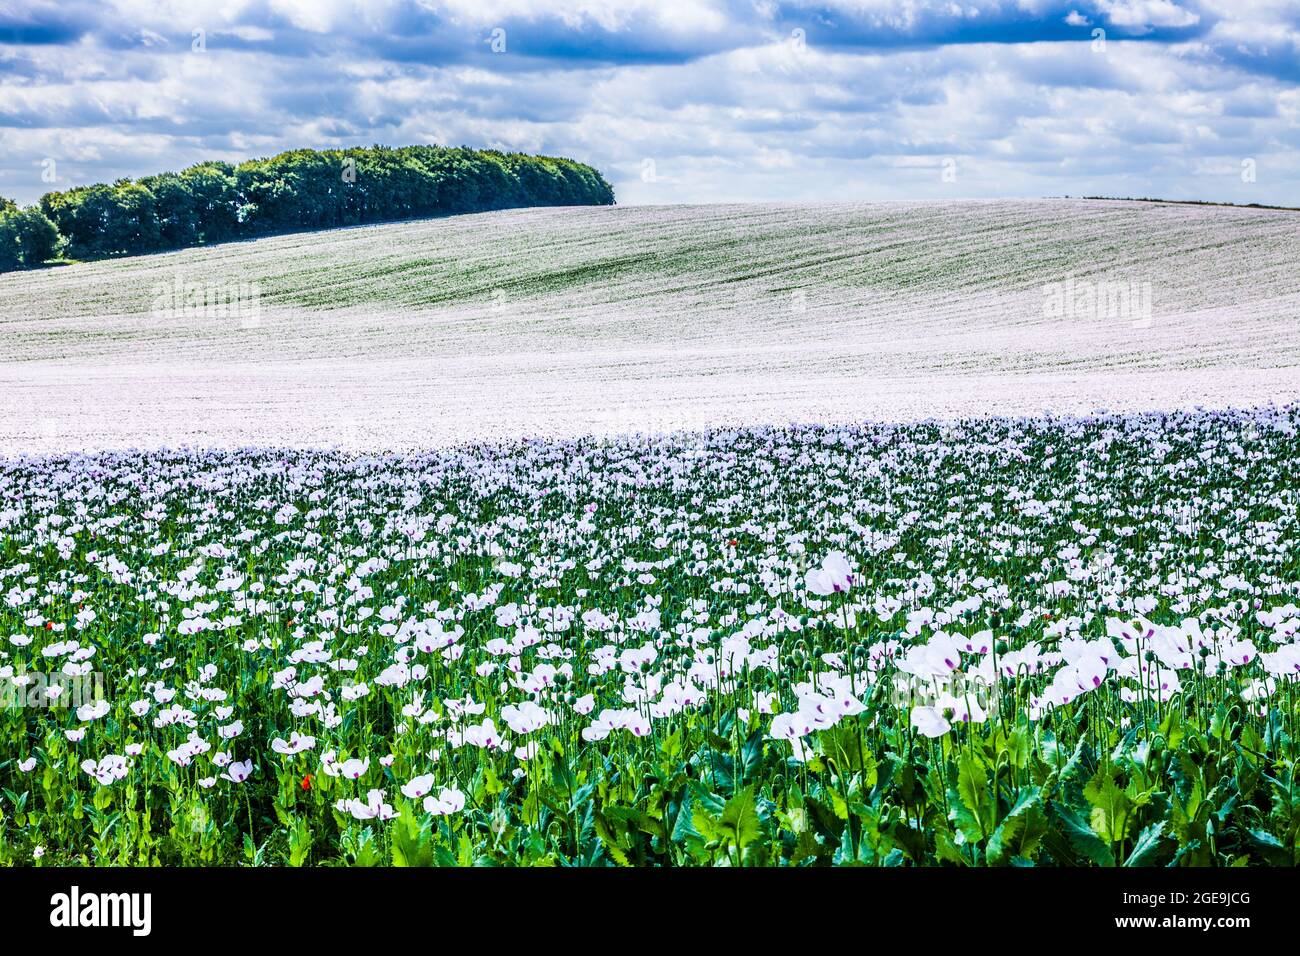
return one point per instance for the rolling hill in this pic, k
(596, 319)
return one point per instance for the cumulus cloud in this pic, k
(684, 101)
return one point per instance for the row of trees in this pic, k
(302, 189)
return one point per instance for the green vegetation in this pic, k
(1194, 202)
(27, 237)
(302, 189)
(1028, 642)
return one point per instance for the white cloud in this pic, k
(1146, 14)
(747, 115)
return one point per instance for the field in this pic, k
(1004, 642)
(729, 536)
(564, 322)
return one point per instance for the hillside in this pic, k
(578, 319)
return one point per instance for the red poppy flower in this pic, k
(306, 781)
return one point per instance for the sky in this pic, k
(677, 101)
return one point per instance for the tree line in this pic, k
(301, 189)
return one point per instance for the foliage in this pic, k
(310, 189)
(27, 237)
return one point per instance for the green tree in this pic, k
(215, 201)
(105, 220)
(175, 209)
(310, 189)
(27, 238)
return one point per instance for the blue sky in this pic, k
(698, 101)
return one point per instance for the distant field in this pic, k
(570, 320)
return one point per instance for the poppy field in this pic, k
(1045, 641)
